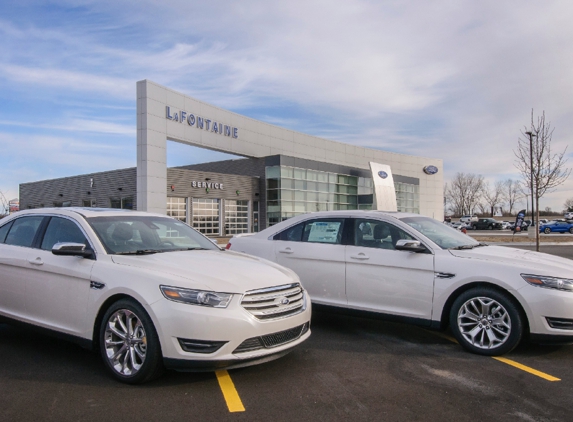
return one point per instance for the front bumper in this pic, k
(235, 327)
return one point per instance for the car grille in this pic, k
(272, 340)
(274, 302)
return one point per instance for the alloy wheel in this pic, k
(484, 323)
(125, 342)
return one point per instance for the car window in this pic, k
(23, 231)
(292, 234)
(4, 231)
(323, 231)
(62, 230)
(130, 234)
(327, 230)
(377, 234)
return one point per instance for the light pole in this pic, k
(530, 134)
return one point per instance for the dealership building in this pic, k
(283, 173)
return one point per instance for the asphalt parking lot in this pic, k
(350, 369)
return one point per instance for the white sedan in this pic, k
(416, 269)
(147, 290)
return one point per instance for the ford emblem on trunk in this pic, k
(430, 170)
(382, 174)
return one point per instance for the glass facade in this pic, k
(292, 191)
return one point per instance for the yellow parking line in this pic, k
(527, 369)
(507, 361)
(232, 398)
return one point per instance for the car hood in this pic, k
(223, 271)
(527, 261)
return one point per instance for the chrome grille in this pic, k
(272, 340)
(274, 302)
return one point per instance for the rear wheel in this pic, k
(571, 230)
(486, 321)
(129, 344)
(547, 230)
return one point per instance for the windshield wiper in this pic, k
(139, 252)
(457, 248)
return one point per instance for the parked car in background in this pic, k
(505, 225)
(416, 269)
(556, 227)
(147, 290)
(469, 218)
(568, 216)
(487, 224)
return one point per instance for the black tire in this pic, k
(571, 230)
(547, 230)
(139, 357)
(490, 227)
(505, 323)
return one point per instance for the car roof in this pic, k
(85, 212)
(336, 214)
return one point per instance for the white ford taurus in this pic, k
(413, 268)
(147, 290)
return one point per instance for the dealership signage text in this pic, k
(201, 122)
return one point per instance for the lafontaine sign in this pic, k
(201, 122)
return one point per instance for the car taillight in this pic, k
(228, 246)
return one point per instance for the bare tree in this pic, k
(493, 196)
(541, 169)
(568, 204)
(512, 193)
(464, 193)
(4, 207)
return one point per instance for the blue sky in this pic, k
(453, 80)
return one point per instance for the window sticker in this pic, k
(324, 232)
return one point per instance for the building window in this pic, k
(63, 204)
(255, 216)
(89, 203)
(236, 217)
(177, 208)
(206, 216)
(292, 191)
(125, 202)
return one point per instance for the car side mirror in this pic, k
(71, 249)
(410, 245)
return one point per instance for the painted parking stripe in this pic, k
(232, 398)
(508, 361)
(526, 368)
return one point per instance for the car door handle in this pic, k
(286, 250)
(360, 256)
(37, 261)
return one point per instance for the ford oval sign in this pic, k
(430, 170)
(383, 174)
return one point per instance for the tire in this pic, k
(547, 230)
(571, 230)
(129, 344)
(499, 316)
(490, 227)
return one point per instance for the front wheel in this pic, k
(485, 321)
(547, 230)
(571, 230)
(129, 344)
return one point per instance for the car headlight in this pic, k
(197, 297)
(549, 282)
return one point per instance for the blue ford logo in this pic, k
(382, 174)
(430, 169)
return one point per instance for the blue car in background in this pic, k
(556, 227)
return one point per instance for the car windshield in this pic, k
(140, 235)
(442, 235)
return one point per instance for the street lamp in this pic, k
(530, 134)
